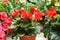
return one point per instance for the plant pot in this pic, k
(28, 38)
(10, 31)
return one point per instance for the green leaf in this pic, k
(55, 35)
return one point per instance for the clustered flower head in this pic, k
(51, 13)
(5, 23)
(34, 14)
(15, 13)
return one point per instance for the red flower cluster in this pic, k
(51, 13)
(23, 14)
(34, 15)
(5, 22)
(15, 13)
(33, 10)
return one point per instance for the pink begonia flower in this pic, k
(6, 21)
(2, 39)
(0, 26)
(5, 26)
(2, 34)
(3, 16)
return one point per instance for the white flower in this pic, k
(57, 4)
(22, 1)
(49, 0)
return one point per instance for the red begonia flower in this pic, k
(38, 16)
(30, 16)
(32, 9)
(52, 9)
(15, 13)
(51, 13)
(37, 13)
(2, 34)
(24, 15)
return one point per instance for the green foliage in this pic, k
(27, 27)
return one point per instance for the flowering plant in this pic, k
(50, 20)
(47, 20)
(49, 16)
(5, 22)
(49, 23)
(26, 22)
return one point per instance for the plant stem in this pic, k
(16, 37)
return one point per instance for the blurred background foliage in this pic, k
(9, 6)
